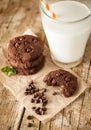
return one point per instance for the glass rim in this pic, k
(57, 20)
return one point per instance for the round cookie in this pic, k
(30, 70)
(64, 79)
(26, 64)
(25, 48)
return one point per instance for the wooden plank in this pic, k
(3, 8)
(85, 114)
(25, 122)
(10, 110)
(8, 8)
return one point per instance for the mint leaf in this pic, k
(8, 70)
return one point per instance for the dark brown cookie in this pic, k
(25, 48)
(64, 79)
(30, 70)
(27, 64)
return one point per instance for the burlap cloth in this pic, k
(17, 84)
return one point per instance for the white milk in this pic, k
(67, 38)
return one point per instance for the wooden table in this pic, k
(15, 17)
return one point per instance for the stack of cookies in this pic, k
(25, 54)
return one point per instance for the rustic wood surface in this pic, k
(15, 17)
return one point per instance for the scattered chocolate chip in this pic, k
(27, 89)
(55, 93)
(37, 89)
(40, 111)
(44, 103)
(44, 108)
(29, 117)
(32, 91)
(33, 108)
(35, 95)
(38, 97)
(43, 98)
(32, 100)
(26, 93)
(30, 124)
(43, 89)
(37, 101)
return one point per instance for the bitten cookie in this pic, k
(64, 79)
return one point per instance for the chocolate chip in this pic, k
(33, 108)
(32, 100)
(26, 93)
(37, 101)
(37, 89)
(30, 124)
(55, 93)
(35, 95)
(44, 109)
(41, 94)
(29, 117)
(43, 98)
(40, 111)
(43, 90)
(27, 89)
(44, 102)
(32, 91)
(37, 110)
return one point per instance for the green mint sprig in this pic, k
(8, 70)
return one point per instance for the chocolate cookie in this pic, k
(27, 64)
(25, 48)
(64, 79)
(28, 71)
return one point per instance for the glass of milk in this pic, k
(67, 35)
